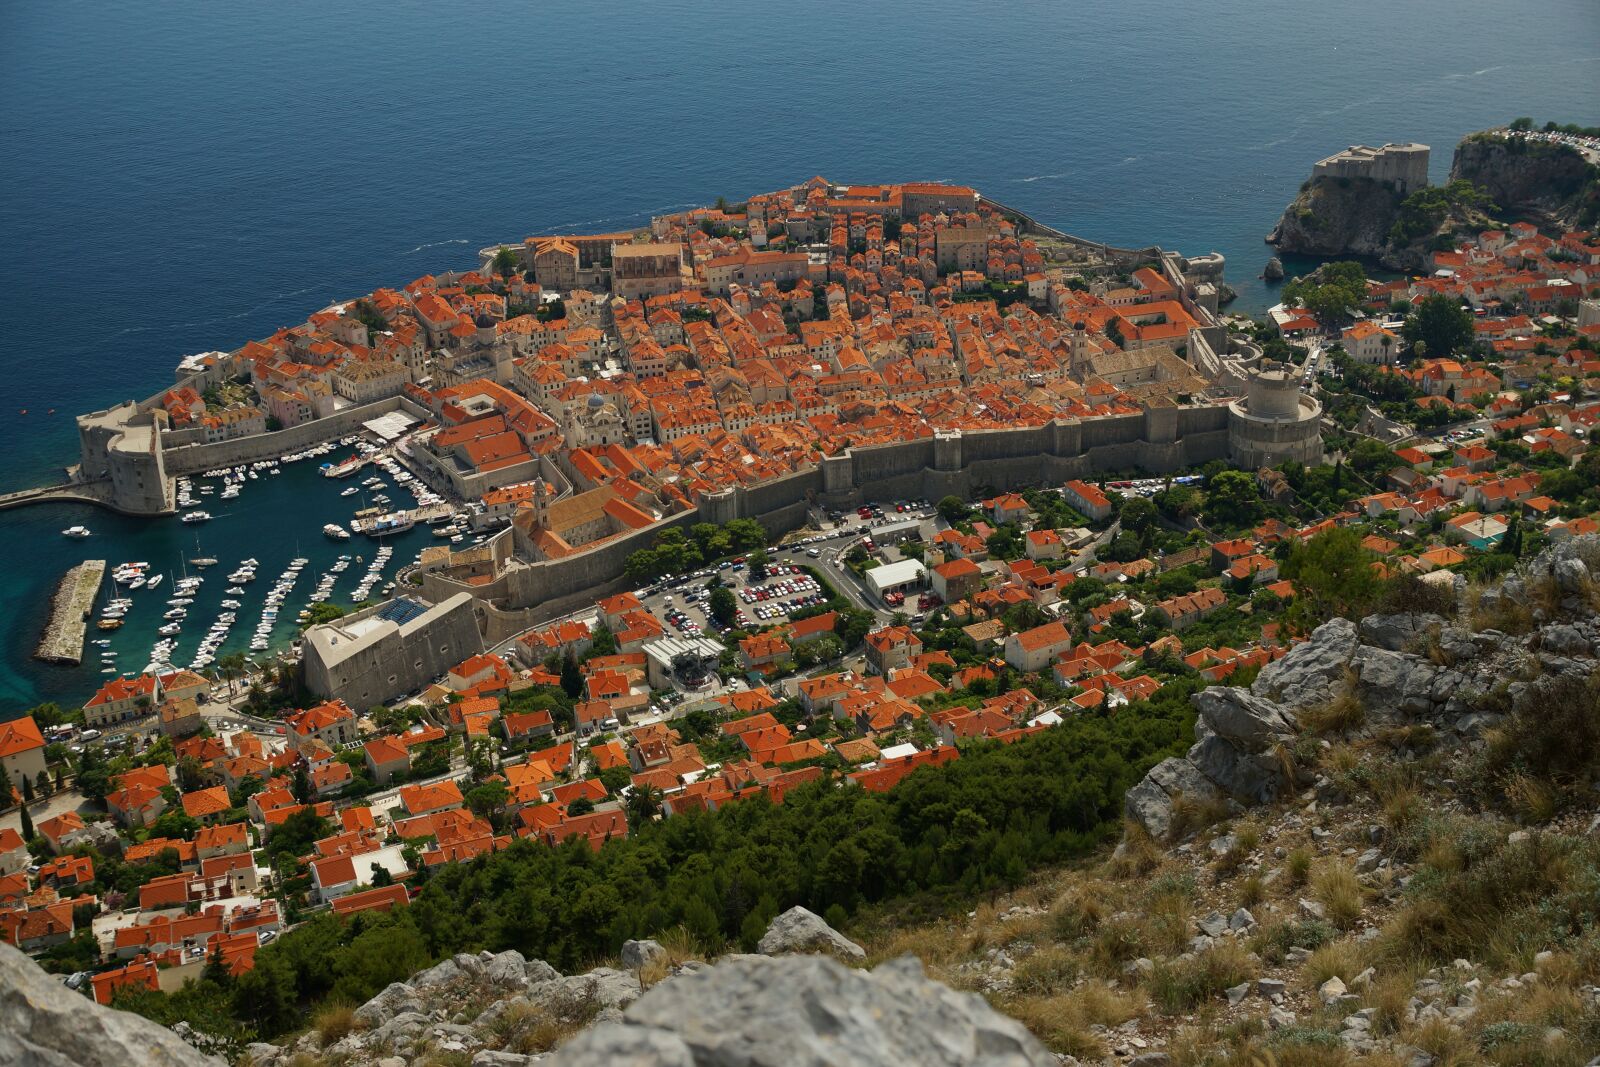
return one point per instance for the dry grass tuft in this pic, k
(1341, 959)
(1335, 886)
(1297, 868)
(1180, 985)
(1193, 814)
(1531, 799)
(537, 1028)
(334, 1021)
(1340, 714)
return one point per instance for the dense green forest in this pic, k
(945, 835)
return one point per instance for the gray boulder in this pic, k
(399, 1031)
(441, 973)
(1572, 575)
(396, 998)
(1312, 672)
(610, 988)
(806, 1011)
(45, 1024)
(799, 930)
(1149, 803)
(620, 1045)
(1242, 717)
(1401, 632)
(507, 968)
(635, 954)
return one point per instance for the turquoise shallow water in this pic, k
(274, 520)
(183, 176)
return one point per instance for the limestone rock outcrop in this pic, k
(807, 1011)
(45, 1024)
(1410, 668)
(799, 930)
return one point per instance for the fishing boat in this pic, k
(77, 532)
(109, 624)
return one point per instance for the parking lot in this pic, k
(681, 601)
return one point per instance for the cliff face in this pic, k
(1533, 180)
(1547, 185)
(1338, 217)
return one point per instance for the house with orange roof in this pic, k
(528, 725)
(60, 830)
(1033, 650)
(1007, 507)
(206, 805)
(141, 974)
(594, 829)
(122, 699)
(332, 723)
(956, 579)
(1185, 611)
(891, 648)
(331, 778)
(888, 774)
(1088, 499)
(383, 898)
(335, 876)
(385, 758)
(425, 799)
(137, 805)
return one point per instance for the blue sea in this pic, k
(182, 176)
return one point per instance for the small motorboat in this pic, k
(76, 532)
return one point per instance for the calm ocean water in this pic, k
(183, 176)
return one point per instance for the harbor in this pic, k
(241, 581)
(69, 614)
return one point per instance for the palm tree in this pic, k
(644, 803)
(231, 666)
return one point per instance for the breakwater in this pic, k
(69, 613)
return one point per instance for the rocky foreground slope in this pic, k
(1385, 851)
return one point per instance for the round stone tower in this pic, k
(1275, 421)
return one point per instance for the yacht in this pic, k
(351, 491)
(203, 562)
(152, 583)
(337, 532)
(77, 532)
(196, 516)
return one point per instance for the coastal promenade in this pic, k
(69, 614)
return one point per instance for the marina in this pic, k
(69, 613)
(275, 519)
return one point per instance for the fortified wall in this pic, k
(1164, 437)
(123, 447)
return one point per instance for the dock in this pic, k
(416, 515)
(69, 613)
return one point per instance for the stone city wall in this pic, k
(190, 458)
(1159, 440)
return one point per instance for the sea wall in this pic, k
(190, 458)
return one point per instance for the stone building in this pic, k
(1404, 166)
(376, 655)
